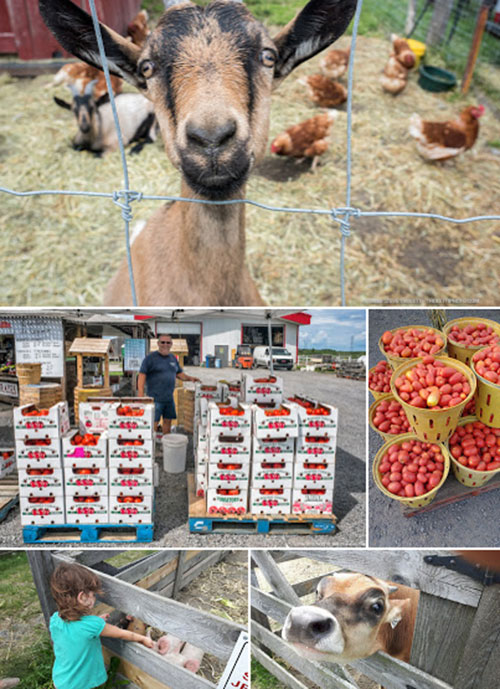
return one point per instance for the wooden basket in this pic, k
(433, 425)
(464, 354)
(28, 373)
(487, 401)
(396, 361)
(467, 476)
(409, 502)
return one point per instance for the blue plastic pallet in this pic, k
(261, 525)
(89, 533)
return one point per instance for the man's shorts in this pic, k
(165, 410)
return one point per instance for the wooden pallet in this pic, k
(201, 522)
(452, 491)
(89, 533)
(9, 494)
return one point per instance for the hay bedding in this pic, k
(63, 250)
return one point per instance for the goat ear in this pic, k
(395, 613)
(74, 30)
(316, 27)
(62, 103)
(102, 99)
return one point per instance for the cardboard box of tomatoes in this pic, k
(317, 500)
(44, 452)
(130, 483)
(230, 421)
(86, 479)
(7, 461)
(94, 416)
(131, 416)
(87, 508)
(273, 500)
(217, 392)
(278, 422)
(262, 390)
(131, 509)
(227, 500)
(309, 475)
(221, 448)
(89, 446)
(311, 447)
(34, 422)
(271, 474)
(273, 450)
(135, 449)
(38, 510)
(228, 475)
(41, 482)
(314, 417)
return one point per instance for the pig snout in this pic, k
(314, 628)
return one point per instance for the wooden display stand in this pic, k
(90, 347)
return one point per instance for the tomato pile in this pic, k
(412, 342)
(476, 446)
(133, 470)
(35, 412)
(39, 472)
(470, 408)
(487, 363)
(478, 335)
(411, 468)
(87, 439)
(7, 455)
(130, 498)
(390, 417)
(125, 441)
(431, 384)
(130, 411)
(230, 411)
(311, 408)
(38, 441)
(379, 378)
(280, 411)
(271, 379)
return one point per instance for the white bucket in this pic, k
(174, 452)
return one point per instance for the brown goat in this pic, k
(209, 72)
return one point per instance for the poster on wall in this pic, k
(135, 351)
(40, 340)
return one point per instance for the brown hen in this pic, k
(443, 140)
(325, 92)
(308, 139)
(334, 64)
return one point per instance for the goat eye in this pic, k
(268, 57)
(377, 607)
(147, 68)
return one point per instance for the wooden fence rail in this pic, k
(457, 633)
(127, 592)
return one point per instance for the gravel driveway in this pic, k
(171, 497)
(468, 523)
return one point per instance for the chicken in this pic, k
(334, 64)
(394, 77)
(443, 140)
(79, 74)
(325, 92)
(402, 52)
(308, 139)
(138, 28)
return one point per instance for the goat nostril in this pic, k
(211, 138)
(321, 627)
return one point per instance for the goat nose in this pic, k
(211, 137)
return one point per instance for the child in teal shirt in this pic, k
(76, 633)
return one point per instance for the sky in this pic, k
(333, 329)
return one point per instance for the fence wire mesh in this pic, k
(395, 11)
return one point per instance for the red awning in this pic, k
(300, 317)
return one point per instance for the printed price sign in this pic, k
(237, 672)
(135, 351)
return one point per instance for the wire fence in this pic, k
(341, 216)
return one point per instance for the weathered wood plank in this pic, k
(407, 567)
(274, 576)
(91, 557)
(324, 677)
(441, 633)
(480, 666)
(179, 573)
(256, 613)
(268, 604)
(42, 566)
(148, 566)
(276, 670)
(134, 674)
(211, 633)
(201, 562)
(156, 665)
(390, 672)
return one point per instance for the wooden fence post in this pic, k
(42, 566)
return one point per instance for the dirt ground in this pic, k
(220, 590)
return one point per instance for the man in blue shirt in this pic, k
(158, 373)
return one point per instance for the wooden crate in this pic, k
(44, 395)
(184, 404)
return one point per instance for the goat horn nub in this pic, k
(73, 88)
(90, 87)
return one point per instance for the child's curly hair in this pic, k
(66, 582)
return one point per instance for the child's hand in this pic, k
(105, 617)
(146, 641)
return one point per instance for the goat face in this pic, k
(345, 622)
(209, 72)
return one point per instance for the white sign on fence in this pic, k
(237, 672)
(50, 353)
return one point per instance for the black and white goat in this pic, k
(96, 126)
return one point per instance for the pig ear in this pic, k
(395, 613)
(74, 30)
(317, 26)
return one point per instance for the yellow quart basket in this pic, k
(396, 361)
(409, 502)
(433, 425)
(487, 401)
(457, 351)
(371, 413)
(376, 395)
(470, 477)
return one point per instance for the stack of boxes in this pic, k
(7, 461)
(203, 395)
(314, 472)
(38, 434)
